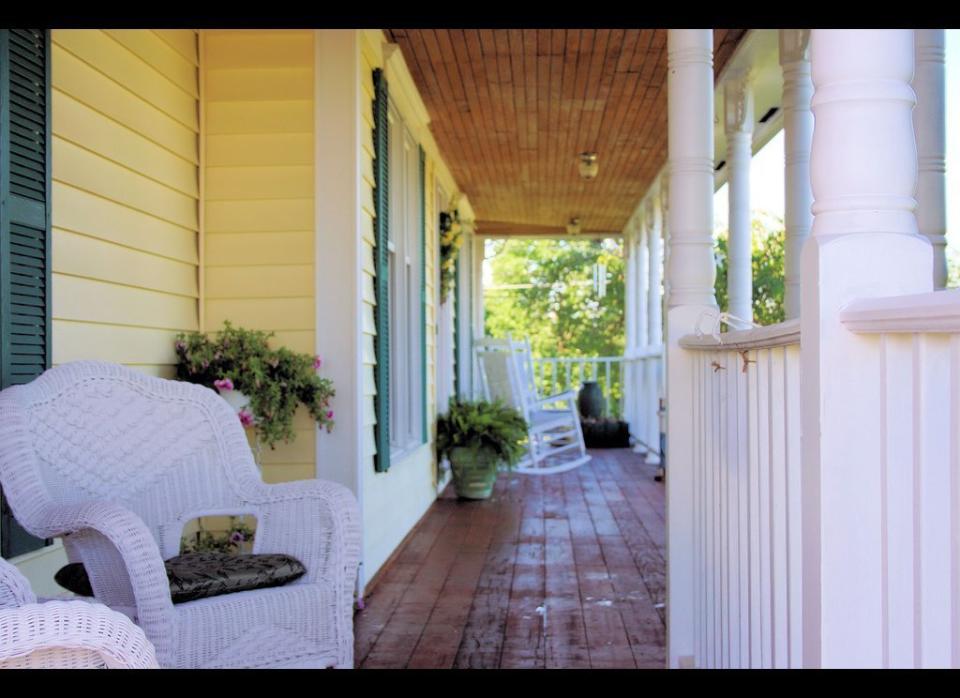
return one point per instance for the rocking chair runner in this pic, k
(116, 462)
(555, 440)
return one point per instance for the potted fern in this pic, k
(478, 437)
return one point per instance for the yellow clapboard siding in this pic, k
(259, 200)
(113, 60)
(259, 149)
(259, 216)
(73, 341)
(262, 313)
(368, 325)
(260, 49)
(183, 41)
(300, 450)
(259, 281)
(366, 230)
(98, 301)
(295, 340)
(369, 355)
(85, 84)
(87, 213)
(85, 127)
(160, 55)
(255, 84)
(274, 473)
(90, 172)
(227, 249)
(294, 116)
(88, 257)
(236, 183)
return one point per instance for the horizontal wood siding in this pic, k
(258, 201)
(125, 130)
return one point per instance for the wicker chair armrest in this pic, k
(316, 521)
(122, 560)
(14, 588)
(72, 634)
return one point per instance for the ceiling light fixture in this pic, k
(573, 227)
(588, 165)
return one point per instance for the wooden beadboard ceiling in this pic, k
(510, 110)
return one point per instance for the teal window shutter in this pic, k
(24, 227)
(423, 294)
(381, 173)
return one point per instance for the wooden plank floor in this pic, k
(555, 571)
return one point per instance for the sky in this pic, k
(766, 169)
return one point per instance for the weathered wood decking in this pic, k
(562, 571)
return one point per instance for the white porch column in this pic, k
(864, 243)
(691, 276)
(797, 137)
(738, 122)
(654, 328)
(929, 121)
(629, 319)
(642, 262)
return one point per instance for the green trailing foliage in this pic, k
(482, 425)
(277, 381)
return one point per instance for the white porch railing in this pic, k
(621, 379)
(559, 374)
(746, 489)
(913, 343)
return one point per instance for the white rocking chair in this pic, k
(555, 440)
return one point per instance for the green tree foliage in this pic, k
(768, 270)
(544, 289)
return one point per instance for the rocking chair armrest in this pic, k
(316, 521)
(570, 395)
(74, 629)
(111, 536)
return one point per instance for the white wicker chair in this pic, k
(65, 634)
(555, 439)
(116, 462)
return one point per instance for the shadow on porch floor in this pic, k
(558, 571)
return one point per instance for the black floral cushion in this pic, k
(201, 575)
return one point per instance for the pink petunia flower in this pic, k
(237, 537)
(223, 384)
(317, 363)
(330, 414)
(246, 417)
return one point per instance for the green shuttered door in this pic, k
(24, 225)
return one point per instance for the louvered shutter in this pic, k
(381, 170)
(24, 225)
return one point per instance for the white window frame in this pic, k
(406, 315)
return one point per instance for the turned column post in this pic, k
(691, 275)
(929, 122)
(864, 243)
(738, 123)
(797, 139)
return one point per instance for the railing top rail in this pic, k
(568, 359)
(935, 312)
(778, 335)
